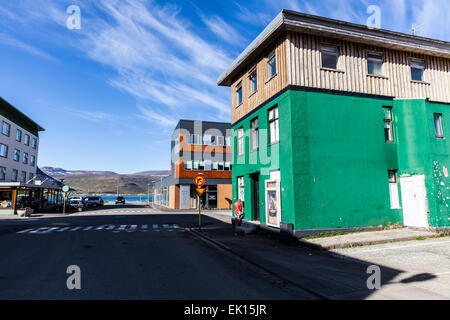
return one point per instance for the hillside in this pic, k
(105, 182)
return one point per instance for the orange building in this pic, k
(198, 147)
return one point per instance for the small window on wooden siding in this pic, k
(388, 128)
(417, 70)
(330, 56)
(375, 64)
(253, 81)
(239, 93)
(438, 131)
(271, 65)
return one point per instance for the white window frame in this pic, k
(393, 190)
(376, 58)
(415, 61)
(240, 141)
(274, 130)
(271, 68)
(255, 133)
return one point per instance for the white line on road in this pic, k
(63, 229)
(88, 228)
(132, 228)
(155, 226)
(75, 229)
(26, 230)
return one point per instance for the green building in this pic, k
(338, 125)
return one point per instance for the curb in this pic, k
(358, 244)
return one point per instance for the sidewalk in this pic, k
(367, 238)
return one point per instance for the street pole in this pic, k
(199, 215)
(64, 205)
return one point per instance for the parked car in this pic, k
(79, 205)
(120, 199)
(95, 202)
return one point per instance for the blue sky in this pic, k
(110, 94)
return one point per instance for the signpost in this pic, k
(65, 190)
(199, 181)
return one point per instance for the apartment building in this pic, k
(337, 125)
(198, 147)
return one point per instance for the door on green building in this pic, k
(255, 196)
(414, 201)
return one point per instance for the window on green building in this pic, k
(241, 189)
(240, 141)
(438, 126)
(388, 128)
(273, 125)
(255, 133)
(417, 70)
(393, 189)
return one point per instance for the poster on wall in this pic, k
(273, 209)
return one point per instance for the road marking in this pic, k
(26, 230)
(51, 229)
(39, 230)
(123, 227)
(132, 228)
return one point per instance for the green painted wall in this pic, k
(420, 152)
(334, 160)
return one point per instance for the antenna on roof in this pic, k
(414, 28)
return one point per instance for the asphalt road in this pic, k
(132, 252)
(157, 259)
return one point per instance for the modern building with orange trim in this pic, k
(198, 147)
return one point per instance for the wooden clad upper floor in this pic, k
(347, 57)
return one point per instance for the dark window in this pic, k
(253, 82)
(417, 70)
(6, 128)
(272, 65)
(18, 135)
(239, 93)
(255, 130)
(375, 64)
(330, 57)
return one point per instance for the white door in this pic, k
(414, 201)
(185, 196)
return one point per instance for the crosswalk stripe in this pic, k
(132, 228)
(26, 230)
(50, 230)
(123, 227)
(39, 230)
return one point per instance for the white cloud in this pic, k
(158, 118)
(222, 29)
(13, 42)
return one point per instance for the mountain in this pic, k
(59, 172)
(106, 182)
